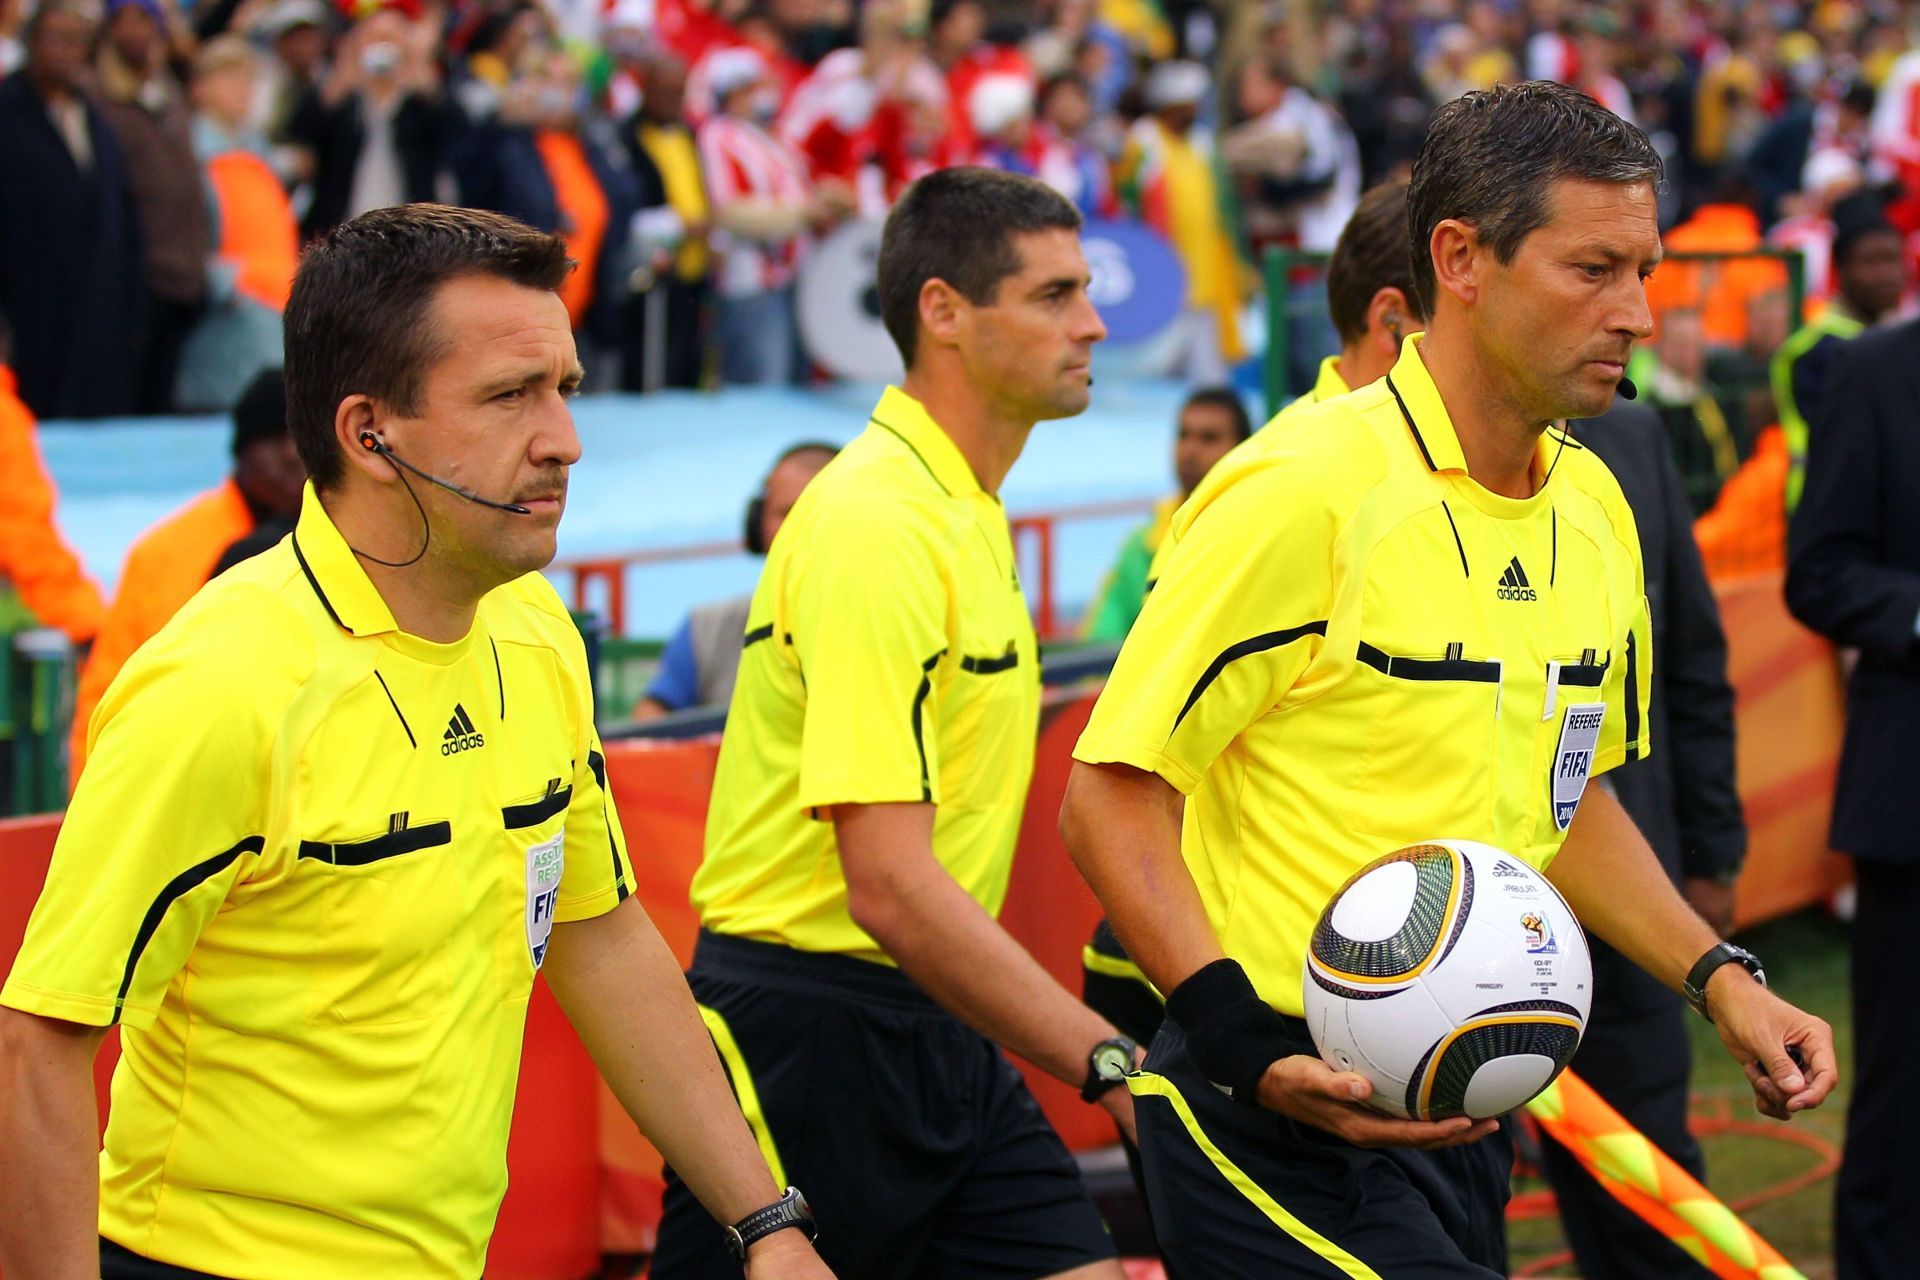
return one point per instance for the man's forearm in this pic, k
(49, 1149)
(1122, 826)
(626, 997)
(948, 944)
(1620, 892)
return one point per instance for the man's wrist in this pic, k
(786, 1216)
(1708, 975)
(1233, 1034)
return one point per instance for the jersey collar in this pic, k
(344, 589)
(1329, 384)
(1432, 428)
(908, 419)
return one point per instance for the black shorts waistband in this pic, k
(773, 965)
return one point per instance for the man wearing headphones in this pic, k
(339, 813)
(702, 658)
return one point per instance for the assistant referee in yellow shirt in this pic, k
(338, 814)
(871, 785)
(1395, 621)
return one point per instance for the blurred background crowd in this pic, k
(161, 161)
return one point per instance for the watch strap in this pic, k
(1694, 987)
(790, 1210)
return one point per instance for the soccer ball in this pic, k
(1453, 976)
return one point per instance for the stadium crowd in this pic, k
(164, 162)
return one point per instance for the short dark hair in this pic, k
(359, 321)
(1492, 156)
(1371, 255)
(1223, 398)
(958, 225)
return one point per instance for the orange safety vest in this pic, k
(257, 226)
(165, 566)
(583, 214)
(33, 556)
(1721, 292)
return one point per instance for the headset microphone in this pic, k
(1627, 389)
(372, 442)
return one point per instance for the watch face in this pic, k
(1112, 1062)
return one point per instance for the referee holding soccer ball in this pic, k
(1397, 620)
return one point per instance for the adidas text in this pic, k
(1514, 584)
(460, 734)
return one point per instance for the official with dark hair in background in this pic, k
(872, 783)
(339, 813)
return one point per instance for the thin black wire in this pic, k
(426, 525)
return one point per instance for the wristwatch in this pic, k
(790, 1210)
(1107, 1066)
(1694, 988)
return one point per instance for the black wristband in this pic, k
(1233, 1034)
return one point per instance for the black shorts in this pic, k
(1242, 1193)
(118, 1263)
(917, 1143)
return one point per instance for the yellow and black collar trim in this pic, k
(905, 417)
(345, 591)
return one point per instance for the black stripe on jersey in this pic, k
(315, 583)
(1245, 648)
(1457, 545)
(1553, 568)
(396, 709)
(535, 812)
(598, 764)
(991, 666)
(1633, 699)
(1429, 668)
(499, 680)
(360, 853)
(916, 453)
(177, 888)
(756, 635)
(919, 719)
(1585, 675)
(1408, 415)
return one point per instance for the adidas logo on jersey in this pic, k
(460, 734)
(1514, 584)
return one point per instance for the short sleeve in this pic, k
(868, 602)
(1626, 732)
(598, 874)
(169, 816)
(1239, 611)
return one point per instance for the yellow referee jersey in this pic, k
(1356, 647)
(1326, 386)
(889, 657)
(310, 870)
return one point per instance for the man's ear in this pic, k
(1390, 318)
(1457, 261)
(357, 418)
(942, 311)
